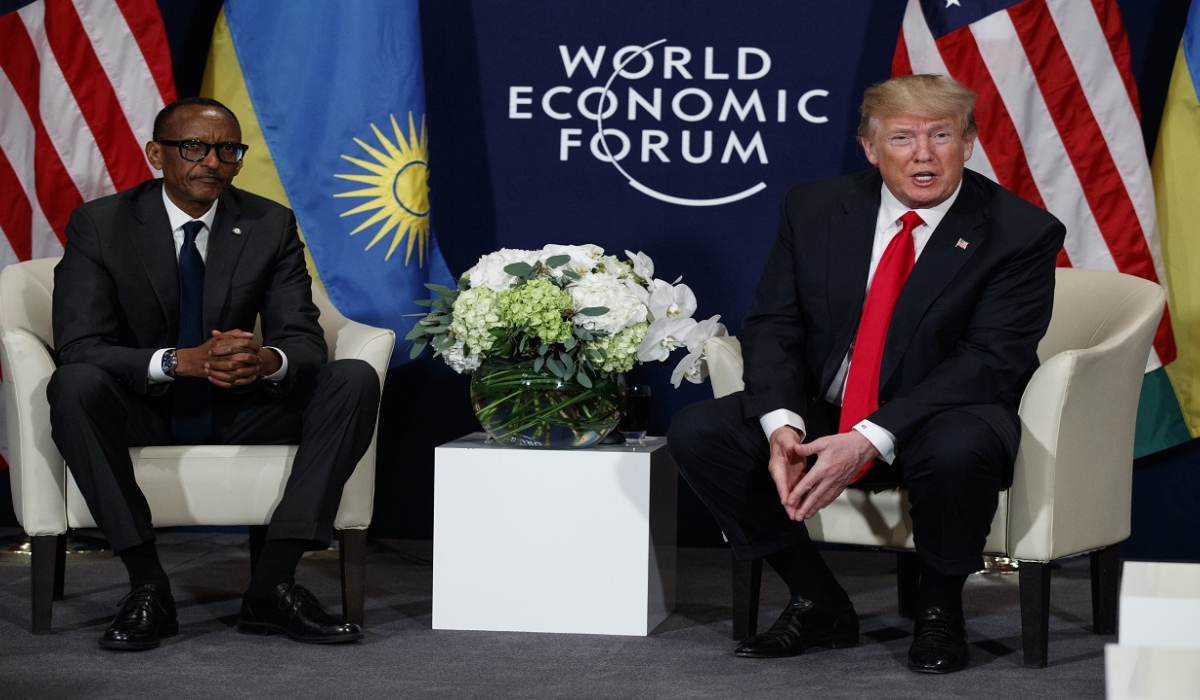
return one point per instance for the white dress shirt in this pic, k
(178, 218)
(887, 225)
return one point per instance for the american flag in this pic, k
(1058, 118)
(80, 85)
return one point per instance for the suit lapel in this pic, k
(939, 263)
(850, 239)
(156, 249)
(224, 251)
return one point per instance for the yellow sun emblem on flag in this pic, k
(398, 190)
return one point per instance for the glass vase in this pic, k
(520, 407)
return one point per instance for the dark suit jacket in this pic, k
(966, 326)
(116, 290)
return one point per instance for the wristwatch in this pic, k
(169, 362)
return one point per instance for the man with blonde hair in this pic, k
(893, 332)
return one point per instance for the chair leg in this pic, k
(258, 539)
(1035, 612)
(44, 555)
(353, 548)
(908, 583)
(747, 581)
(60, 565)
(1106, 571)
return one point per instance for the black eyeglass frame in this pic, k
(242, 148)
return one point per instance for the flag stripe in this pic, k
(94, 93)
(56, 191)
(148, 30)
(1118, 43)
(16, 215)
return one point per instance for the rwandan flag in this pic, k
(1176, 170)
(331, 99)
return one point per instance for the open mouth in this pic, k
(923, 178)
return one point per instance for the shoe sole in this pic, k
(163, 632)
(264, 629)
(838, 642)
(935, 671)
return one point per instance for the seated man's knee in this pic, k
(351, 375)
(961, 449)
(81, 384)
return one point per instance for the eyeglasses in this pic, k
(196, 151)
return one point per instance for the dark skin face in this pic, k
(193, 187)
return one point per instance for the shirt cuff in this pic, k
(282, 373)
(881, 438)
(774, 420)
(154, 372)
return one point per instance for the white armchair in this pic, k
(1072, 485)
(185, 485)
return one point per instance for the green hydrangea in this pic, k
(475, 314)
(621, 349)
(539, 304)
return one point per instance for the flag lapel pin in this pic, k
(961, 244)
(238, 232)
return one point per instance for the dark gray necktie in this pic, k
(191, 408)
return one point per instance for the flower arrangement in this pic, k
(572, 311)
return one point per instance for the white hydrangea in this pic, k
(625, 307)
(459, 361)
(489, 271)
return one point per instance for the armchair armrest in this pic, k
(724, 357)
(1074, 470)
(37, 471)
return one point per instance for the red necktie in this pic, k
(861, 397)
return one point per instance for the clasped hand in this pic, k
(802, 490)
(228, 359)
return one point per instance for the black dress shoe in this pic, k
(939, 642)
(802, 625)
(146, 615)
(293, 610)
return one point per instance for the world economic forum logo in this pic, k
(397, 189)
(635, 108)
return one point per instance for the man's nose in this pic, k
(210, 159)
(923, 149)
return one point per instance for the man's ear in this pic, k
(869, 148)
(154, 154)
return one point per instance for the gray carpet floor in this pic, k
(688, 656)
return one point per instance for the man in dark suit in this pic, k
(893, 331)
(154, 300)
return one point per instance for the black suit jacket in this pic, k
(116, 290)
(965, 328)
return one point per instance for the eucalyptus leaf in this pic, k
(569, 342)
(568, 363)
(594, 311)
(417, 348)
(557, 260)
(584, 379)
(538, 363)
(571, 274)
(518, 269)
(440, 289)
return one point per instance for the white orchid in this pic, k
(702, 331)
(643, 266)
(669, 302)
(692, 368)
(663, 336)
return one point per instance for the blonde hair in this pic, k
(926, 95)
